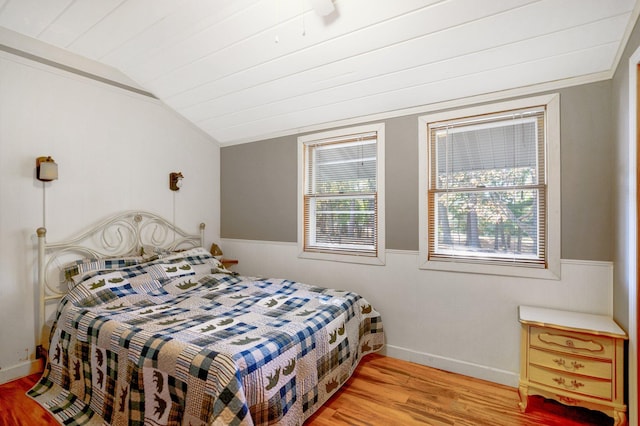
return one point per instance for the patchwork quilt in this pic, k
(179, 340)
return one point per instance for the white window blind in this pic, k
(341, 195)
(487, 190)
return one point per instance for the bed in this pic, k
(152, 329)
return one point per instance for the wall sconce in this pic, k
(175, 181)
(46, 169)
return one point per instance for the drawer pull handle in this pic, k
(573, 366)
(576, 365)
(571, 343)
(574, 384)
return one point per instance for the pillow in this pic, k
(149, 252)
(75, 270)
(194, 251)
(200, 255)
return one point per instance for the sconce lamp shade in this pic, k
(175, 181)
(46, 169)
(215, 251)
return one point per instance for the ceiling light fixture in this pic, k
(322, 7)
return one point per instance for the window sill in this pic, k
(346, 258)
(552, 272)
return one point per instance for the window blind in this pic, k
(487, 190)
(340, 195)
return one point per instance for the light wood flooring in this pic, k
(383, 391)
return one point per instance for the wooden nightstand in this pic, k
(574, 358)
(228, 263)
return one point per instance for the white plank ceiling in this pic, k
(245, 70)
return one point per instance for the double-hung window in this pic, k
(341, 195)
(490, 188)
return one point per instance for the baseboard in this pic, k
(23, 369)
(495, 375)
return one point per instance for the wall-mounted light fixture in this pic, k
(46, 169)
(175, 181)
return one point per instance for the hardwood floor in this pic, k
(383, 391)
(17, 409)
(387, 391)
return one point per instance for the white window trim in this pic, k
(335, 257)
(552, 125)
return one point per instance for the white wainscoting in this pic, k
(457, 322)
(22, 369)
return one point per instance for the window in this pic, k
(490, 187)
(341, 195)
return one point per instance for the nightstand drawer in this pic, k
(575, 343)
(571, 364)
(572, 383)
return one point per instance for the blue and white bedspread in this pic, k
(177, 340)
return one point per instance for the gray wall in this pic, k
(258, 190)
(259, 180)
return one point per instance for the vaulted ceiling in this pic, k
(245, 70)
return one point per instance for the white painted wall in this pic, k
(465, 323)
(115, 150)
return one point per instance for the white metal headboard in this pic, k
(123, 234)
